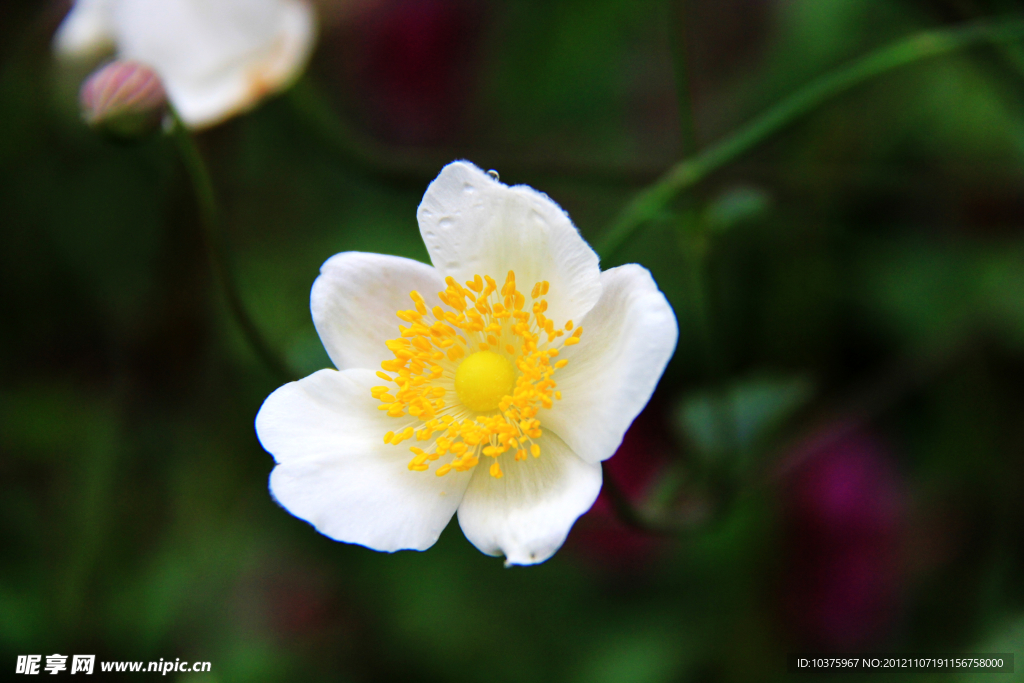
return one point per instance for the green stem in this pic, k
(695, 250)
(216, 250)
(680, 67)
(1012, 54)
(690, 171)
(639, 518)
(714, 364)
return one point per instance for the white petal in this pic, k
(628, 339)
(354, 301)
(335, 471)
(218, 58)
(473, 224)
(526, 514)
(87, 31)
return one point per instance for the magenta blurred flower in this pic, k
(124, 98)
(413, 60)
(843, 518)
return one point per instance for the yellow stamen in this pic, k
(475, 380)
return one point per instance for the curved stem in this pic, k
(216, 251)
(690, 171)
(637, 518)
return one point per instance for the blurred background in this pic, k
(832, 462)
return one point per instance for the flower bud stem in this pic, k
(216, 249)
(688, 172)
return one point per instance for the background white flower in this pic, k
(216, 57)
(336, 471)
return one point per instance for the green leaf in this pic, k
(740, 418)
(734, 207)
(1006, 641)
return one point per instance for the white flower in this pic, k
(216, 58)
(509, 406)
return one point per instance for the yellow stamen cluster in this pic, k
(481, 322)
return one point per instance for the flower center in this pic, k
(471, 383)
(483, 379)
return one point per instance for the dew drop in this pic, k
(446, 223)
(493, 174)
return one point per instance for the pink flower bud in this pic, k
(123, 98)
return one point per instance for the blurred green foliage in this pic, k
(875, 251)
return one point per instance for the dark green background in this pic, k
(864, 266)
